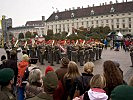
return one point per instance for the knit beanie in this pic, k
(6, 74)
(50, 82)
(48, 68)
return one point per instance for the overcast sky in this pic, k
(29, 10)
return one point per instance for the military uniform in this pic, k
(5, 94)
(57, 54)
(86, 54)
(69, 50)
(74, 53)
(97, 52)
(81, 55)
(91, 53)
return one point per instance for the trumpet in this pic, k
(53, 43)
(25, 44)
(16, 43)
(76, 42)
(83, 43)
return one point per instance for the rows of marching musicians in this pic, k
(76, 51)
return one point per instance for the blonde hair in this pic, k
(25, 57)
(88, 67)
(131, 81)
(72, 71)
(98, 81)
(35, 76)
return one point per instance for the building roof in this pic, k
(22, 27)
(34, 23)
(123, 7)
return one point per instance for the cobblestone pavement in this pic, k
(120, 56)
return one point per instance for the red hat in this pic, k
(48, 68)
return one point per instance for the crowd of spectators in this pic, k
(25, 81)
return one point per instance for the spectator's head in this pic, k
(65, 61)
(48, 68)
(33, 60)
(131, 81)
(50, 82)
(112, 74)
(35, 76)
(98, 81)
(72, 71)
(6, 76)
(25, 57)
(3, 57)
(88, 67)
(13, 54)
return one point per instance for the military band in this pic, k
(52, 53)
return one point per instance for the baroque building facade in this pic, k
(118, 16)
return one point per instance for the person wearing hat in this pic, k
(123, 92)
(63, 69)
(50, 82)
(6, 82)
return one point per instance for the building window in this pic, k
(67, 20)
(129, 19)
(101, 16)
(117, 15)
(82, 23)
(77, 19)
(91, 17)
(123, 25)
(111, 15)
(129, 13)
(112, 21)
(86, 18)
(123, 14)
(106, 15)
(129, 30)
(97, 17)
(117, 20)
(123, 20)
(106, 21)
(117, 26)
(112, 26)
(97, 21)
(129, 25)
(92, 22)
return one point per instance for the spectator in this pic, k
(12, 63)
(69, 79)
(123, 92)
(112, 75)
(50, 82)
(3, 62)
(21, 70)
(59, 91)
(84, 80)
(63, 69)
(6, 82)
(35, 83)
(32, 66)
(97, 83)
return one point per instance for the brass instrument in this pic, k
(16, 43)
(76, 43)
(83, 43)
(53, 43)
(25, 45)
